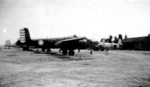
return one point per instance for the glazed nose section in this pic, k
(41, 42)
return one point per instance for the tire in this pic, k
(43, 49)
(25, 48)
(64, 52)
(71, 52)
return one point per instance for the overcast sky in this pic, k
(59, 18)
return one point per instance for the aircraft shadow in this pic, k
(55, 54)
(64, 57)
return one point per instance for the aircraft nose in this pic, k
(41, 42)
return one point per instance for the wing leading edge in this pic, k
(70, 40)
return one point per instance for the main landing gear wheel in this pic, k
(25, 48)
(43, 49)
(71, 52)
(48, 50)
(64, 52)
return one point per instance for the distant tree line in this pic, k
(116, 39)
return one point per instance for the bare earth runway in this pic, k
(118, 69)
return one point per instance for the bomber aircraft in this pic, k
(66, 44)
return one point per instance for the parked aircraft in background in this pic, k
(66, 44)
(7, 44)
(106, 45)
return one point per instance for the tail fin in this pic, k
(24, 35)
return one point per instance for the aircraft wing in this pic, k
(70, 40)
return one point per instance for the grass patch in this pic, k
(11, 55)
(141, 81)
(1, 83)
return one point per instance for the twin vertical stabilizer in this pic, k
(24, 35)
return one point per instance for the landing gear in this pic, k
(64, 52)
(101, 48)
(43, 49)
(25, 48)
(49, 50)
(37, 51)
(71, 52)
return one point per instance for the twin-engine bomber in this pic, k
(66, 44)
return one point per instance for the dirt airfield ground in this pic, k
(118, 69)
